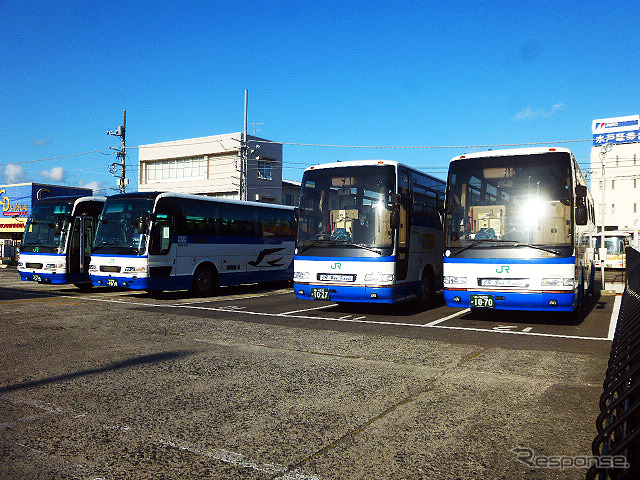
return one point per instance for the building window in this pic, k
(613, 208)
(265, 171)
(176, 169)
(635, 181)
(613, 184)
(288, 199)
(634, 208)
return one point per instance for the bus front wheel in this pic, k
(428, 287)
(205, 281)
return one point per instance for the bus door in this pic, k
(403, 235)
(79, 254)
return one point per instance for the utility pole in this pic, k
(121, 155)
(602, 253)
(244, 149)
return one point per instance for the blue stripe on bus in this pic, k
(24, 254)
(184, 282)
(225, 240)
(117, 256)
(534, 301)
(530, 261)
(346, 259)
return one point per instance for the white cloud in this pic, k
(56, 174)
(530, 114)
(14, 173)
(41, 142)
(95, 185)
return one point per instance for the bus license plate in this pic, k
(320, 294)
(111, 282)
(482, 301)
(36, 278)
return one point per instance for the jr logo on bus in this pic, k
(337, 265)
(503, 269)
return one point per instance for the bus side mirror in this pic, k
(394, 220)
(59, 224)
(143, 225)
(581, 215)
(581, 191)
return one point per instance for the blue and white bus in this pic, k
(369, 231)
(56, 246)
(517, 231)
(168, 241)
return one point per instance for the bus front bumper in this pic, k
(351, 293)
(53, 277)
(533, 301)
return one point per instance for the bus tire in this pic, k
(205, 281)
(428, 287)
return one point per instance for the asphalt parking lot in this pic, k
(253, 383)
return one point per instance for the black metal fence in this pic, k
(617, 445)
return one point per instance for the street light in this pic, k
(602, 253)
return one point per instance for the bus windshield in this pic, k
(41, 234)
(525, 199)
(615, 244)
(349, 206)
(117, 231)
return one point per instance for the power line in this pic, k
(53, 158)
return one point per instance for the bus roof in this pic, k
(70, 199)
(512, 152)
(157, 195)
(360, 163)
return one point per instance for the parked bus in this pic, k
(616, 242)
(517, 230)
(168, 241)
(56, 246)
(369, 231)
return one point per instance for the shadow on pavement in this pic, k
(131, 362)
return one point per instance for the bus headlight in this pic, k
(379, 277)
(448, 280)
(93, 268)
(301, 275)
(557, 282)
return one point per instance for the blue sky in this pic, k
(321, 72)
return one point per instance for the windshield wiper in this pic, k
(364, 246)
(538, 247)
(515, 243)
(315, 243)
(107, 244)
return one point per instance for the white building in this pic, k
(616, 144)
(211, 166)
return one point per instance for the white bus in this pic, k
(56, 245)
(369, 231)
(167, 241)
(517, 230)
(616, 242)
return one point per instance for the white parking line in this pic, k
(308, 309)
(457, 314)
(433, 324)
(614, 317)
(239, 460)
